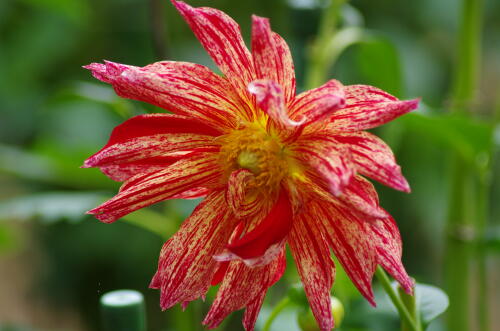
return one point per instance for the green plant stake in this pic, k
(123, 310)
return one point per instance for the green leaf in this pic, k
(431, 302)
(162, 225)
(49, 207)
(56, 206)
(51, 170)
(379, 64)
(471, 139)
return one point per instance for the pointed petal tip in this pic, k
(87, 164)
(404, 186)
(413, 103)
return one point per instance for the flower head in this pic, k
(274, 168)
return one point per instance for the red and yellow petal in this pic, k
(272, 57)
(350, 239)
(266, 239)
(183, 88)
(327, 158)
(238, 197)
(359, 194)
(319, 103)
(186, 263)
(271, 100)
(221, 37)
(389, 251)
(252, 311)
(197, 170)
(367, 107)
(147, 143)
(362, 196)
(373, 158)
(315, 266)
(244, 287)
(361, 243)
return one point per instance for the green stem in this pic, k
(469, 51)
(123, 310)
(483, 297)
(464, 206)
(408, 320)
(276, 311)
(410, 303)
(318, 61)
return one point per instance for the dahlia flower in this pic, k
(274, 168)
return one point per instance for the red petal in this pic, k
(368, 107)
(221, 37)
(195, 193)
(252, 311)
(389, 249)
(146, 143)
(328, 158)
(183, 88)
(221, 271)
(186, 263)
(143, 190)
(242, 287)
(236, 194)
(350, 239)
(315, 267)
(361, 195)
(360, 244)
(317, 104)
(272, 57)
(271, 100)
(374, 159)
(272, 230)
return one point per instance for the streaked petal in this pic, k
(186, 265)
(351, 241)
(147, 143)
(183, 88)
(361, 243)
(389, 251)
(327, 158)
(272, 57)
(221, 37)
(199, 169)
(373, 158)
(271, 100)
(195, 193)
(368, 107)
(267, 237)
(241, 287)
(237, 197)
(319, 103)
(361, 195)
(315, 266)
(252, 311)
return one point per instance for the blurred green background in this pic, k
(55, 262)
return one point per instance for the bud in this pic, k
(307, 322)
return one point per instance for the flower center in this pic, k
(257, 150)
